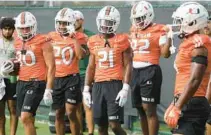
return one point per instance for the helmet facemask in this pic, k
(64, 27)
(106, 26)
(139, 22)
(30, 32)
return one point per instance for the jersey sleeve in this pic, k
(201, 40)
(125, 42)
(81, 38)
(90, 45)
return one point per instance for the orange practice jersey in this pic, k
(145, 43)
(108, 60)
(183, 62)
(64, 51)
(30, 55)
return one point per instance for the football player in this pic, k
(149, 42)
(7, 88)
(37, 70)
(109, 70)
(67, 95)
(189, 110)
(83, 65)
(207, 31)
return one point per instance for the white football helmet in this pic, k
(142, 14)
(108, 20)
(65, 15)
(190, 17)
(26, 20)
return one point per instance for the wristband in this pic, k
(126, 86)
(86, 88)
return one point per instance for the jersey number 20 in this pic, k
(62, 51)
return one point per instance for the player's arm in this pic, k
(89, 79)
(79, 51)
(50, 63)
(123, 93)
(90, 71)
(198, 68)
(208, 94)
(165, 44)
(127, 60)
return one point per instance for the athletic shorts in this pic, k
(66, 90)
(105, 107)
(29, 96)
(10, 91)
(209, 118)
(193, 117)
(146, 85)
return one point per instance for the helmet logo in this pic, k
(194, 11)
(108, 10)
(145, 8)
(63, 12)
(23, 18)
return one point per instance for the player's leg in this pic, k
(2, 117)
(99, 108)
(13, 116)
(208, 129)
(151, 81)
(137, 101)
(103, 129)
(34, 91)
(208, 125)
(79, 114)
(152, 118)
(143, 120)
(80, 111)
(28, 123)
(89, 119)
(74, 122)
(73, 99)
(115, 112)
(59, 121)
(88, 113)
(59, 105)
(11, 102)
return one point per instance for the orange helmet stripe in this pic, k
(23, 18)
(63, 12)
(108, 10)
(134, 8)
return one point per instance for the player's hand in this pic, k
(172, 115)
(122, 95)
(48, 97)
(87, 96)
